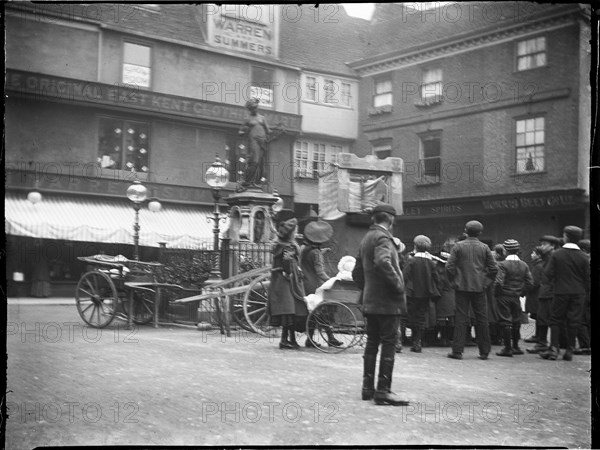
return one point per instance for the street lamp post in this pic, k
(137, 193)
(217, 177)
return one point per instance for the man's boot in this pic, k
(516, 335)
(383, 394)
(554, 348)
(542, 342)
(571, 334)
(507, 350)
(416, 340)
(368, 385)
(399, 342)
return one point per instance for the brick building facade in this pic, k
(489, 107)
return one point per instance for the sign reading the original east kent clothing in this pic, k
(50, 88)
(252, 29)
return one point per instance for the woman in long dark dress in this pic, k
(285, 303)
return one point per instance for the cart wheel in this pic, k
(96, 298)
(143, 307)
(255, 306)
(335, 327)
(236, 307)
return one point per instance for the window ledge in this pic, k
(117, 174)
(530, 69)
(520, 174)
(429, 102)
(426, 184)
(375, 111)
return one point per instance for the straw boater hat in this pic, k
(318, 232)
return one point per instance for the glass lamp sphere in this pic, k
(137, 192)
(217, 176)
(154, 205)
(34, 197)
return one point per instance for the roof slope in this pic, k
(323, 39)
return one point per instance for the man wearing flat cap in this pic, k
(377, 272)
(547, 246)
(569, 272)
(468, 266)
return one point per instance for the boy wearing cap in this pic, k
(512, 281)
(378, 274)
(569, 272)
(421, 279)
(470, 262)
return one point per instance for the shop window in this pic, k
(531, 53)
(262, 86)
(383, 92)
(430, 162)
(136, 64)
(123, 144)
(382, 149)
(530, 145)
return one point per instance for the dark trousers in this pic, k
(509, 310)
(381, 330)
(478, 302)
(543, 311)
(565, 310)
(417, 311)
(583, 335)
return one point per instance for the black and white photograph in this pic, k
(353, 225)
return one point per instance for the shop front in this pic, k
(44, 239)
(524, 217)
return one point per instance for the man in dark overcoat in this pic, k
(470, 262)
(377, 272)
(569, 271)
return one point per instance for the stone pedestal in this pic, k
(250, 216)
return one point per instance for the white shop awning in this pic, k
(91, 219)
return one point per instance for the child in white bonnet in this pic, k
(345, 267)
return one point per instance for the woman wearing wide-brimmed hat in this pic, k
(285, 303)
(316, 233)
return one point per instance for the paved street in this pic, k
(71, 385)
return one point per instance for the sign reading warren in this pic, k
(250, 29)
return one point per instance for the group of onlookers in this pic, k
(466, 284)
(484, 287)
